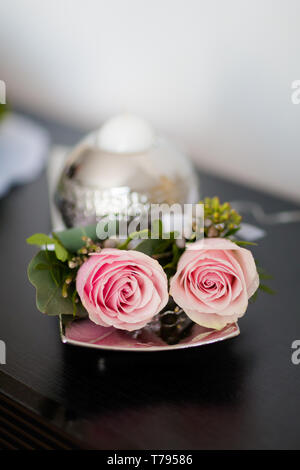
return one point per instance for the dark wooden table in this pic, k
(243, 393)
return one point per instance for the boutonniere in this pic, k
(152, 279)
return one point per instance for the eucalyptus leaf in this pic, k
(43, 267)
(49, 298)
(71, 239)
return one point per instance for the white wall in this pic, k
(216, 75)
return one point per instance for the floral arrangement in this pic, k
(208, 281)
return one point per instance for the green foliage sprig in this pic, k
(53, 272)
(220, 220)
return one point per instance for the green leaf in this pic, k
(139, 234)
(48, 292)
(265, 277)
(232, 231)
(133, 236)
(163, 246)
(40, 239)
(244, 243)
(155, 241)
(171, 267)
(123, 246)
(71, 239)
(266, 289)
(43, 267)
(149, 246)
(262, 273)
(61, 253)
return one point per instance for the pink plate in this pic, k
(88, 334)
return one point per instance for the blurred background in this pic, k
(214, 76)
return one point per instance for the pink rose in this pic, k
(121, 288)
(214, 280)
